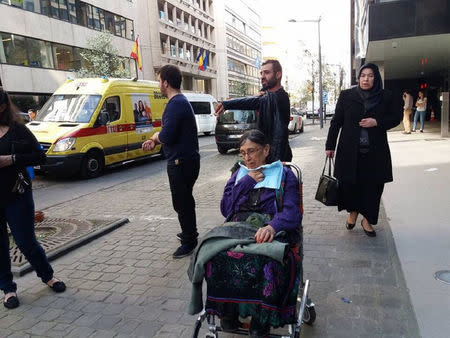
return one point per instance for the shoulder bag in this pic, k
(327, 191)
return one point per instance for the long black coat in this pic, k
(349, 112)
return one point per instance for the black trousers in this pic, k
(182, 177)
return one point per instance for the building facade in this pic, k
(239, 51)
(41, 41)
(184, 35)
(409, 40)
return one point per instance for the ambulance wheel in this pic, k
(93, 164)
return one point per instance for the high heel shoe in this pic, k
(368, 233)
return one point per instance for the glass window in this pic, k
(90, 15)
(63, 11)
(173, 51)
(201, 108)
(63, 57)
(54, 9)
(32, 5)
(109, 22)
(39, 53)
(163, 47)
(120, 25)
(17, 3)
(188, 55)
(82, 15)
(101, 15)
(180, 52)
(72, 11)
(161, 15)
(130, 30)
(112, 107)
(96, 18)
(69, 108)
(13, 50)
(238, 116)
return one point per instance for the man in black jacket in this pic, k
(273, 107)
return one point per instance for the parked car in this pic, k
(203, 106)
(330, 110)
(230, 127)
(295, 123)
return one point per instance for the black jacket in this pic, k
(19, 141)
(272, 120)
(349, 112)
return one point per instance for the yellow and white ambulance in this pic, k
(88, 124)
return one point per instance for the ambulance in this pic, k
(88, 124)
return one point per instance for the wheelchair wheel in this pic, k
(198, 325)
(309, 315)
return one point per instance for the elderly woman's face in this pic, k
(254, 154)
(366, 79)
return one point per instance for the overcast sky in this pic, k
(295, 37)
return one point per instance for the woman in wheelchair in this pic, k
(261, 204)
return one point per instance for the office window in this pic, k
(39, 53)
(180, 52)
(63, 57)
(173, 51)
(72, 10)
(188, 55)
(32, 6)
(12, 49)
(96, 18)
(82, 15)
(162, 15)
(63, 10)
(90, 15)
(163, 47)
(54, 9)
(120, 26)
(109, 22)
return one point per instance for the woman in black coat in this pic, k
(19, 149)
(363, 161)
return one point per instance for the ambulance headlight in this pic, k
(64, 144)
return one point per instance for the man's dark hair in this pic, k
(276, 66)
(172, 75)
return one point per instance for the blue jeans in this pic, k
(422, 119)
(19, 214)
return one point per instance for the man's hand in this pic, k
(265, 234)
(219, 109)
(5, 161)
(257, 175)
(368, 123)
(148, 145)
(329, 153)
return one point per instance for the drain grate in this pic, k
(443, 276)
(61, 235)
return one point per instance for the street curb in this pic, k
(410, 314)
(75, 244)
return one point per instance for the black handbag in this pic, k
(327, 191)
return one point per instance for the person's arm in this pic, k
(290, 217)
(235, 194)
(391, 117)
(245, 103)
(171, 125)
(34, 156)
(335, 125)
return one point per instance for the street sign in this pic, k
(325, 97)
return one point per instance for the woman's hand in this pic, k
(257, 175)
(5, 161)
(265, 234)
(329, 153)
(368, 123)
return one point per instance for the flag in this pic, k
(200, 60)
(205, 60)
(136, 55)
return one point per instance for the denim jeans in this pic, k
(422, 119)
(182, 177)
(19, 214)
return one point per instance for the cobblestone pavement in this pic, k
(126, 284)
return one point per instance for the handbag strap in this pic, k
(329, 160)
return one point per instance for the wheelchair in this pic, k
(305, 307)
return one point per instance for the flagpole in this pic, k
(136, 60)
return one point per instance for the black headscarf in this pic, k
(374, 95)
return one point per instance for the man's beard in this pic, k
(269, 84)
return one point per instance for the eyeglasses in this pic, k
(250, 152)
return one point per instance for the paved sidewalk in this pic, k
(126, 284)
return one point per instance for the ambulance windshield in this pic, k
(69, 108)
